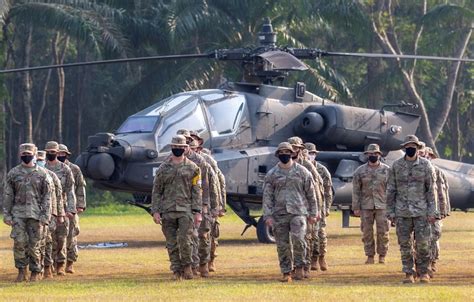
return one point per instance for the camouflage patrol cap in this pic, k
(373, 148)
(196, 136)
(51, 146)
(411, 139)
(430, 152)
(63, 148)
(296, 142)
(40, 154)
(179, 141)
(28, 148)
(184, 132)
(284, 146)
(311, 147)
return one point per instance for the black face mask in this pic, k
(51, 156)
(62, 158)
(410, 151)
(284, 158)
(27, 158)
(373, 158)
(177, 152)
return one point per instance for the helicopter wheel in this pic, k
(264, 232)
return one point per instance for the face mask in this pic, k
(284, 158)
(62, 158)
(27, 158)
(177, 152)
(410, 151)
(373, 158)
(312, 157)
(51, 156)
(40, 163)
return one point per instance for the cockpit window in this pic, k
(189, 117)
(138, 124)
(224, 113)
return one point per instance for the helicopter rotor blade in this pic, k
(103, 62)
(391, 56)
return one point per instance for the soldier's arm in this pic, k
(45, 199)
(157, 193)
(327, 182)
(430, 191)
(204, 184)
(196, 204)
(221, 177)
(71, 196)
(318, 186)
(440, 194)
(311, 192)
(59, 195)
(391, 193)
(356, 191)
(448, 201)
(80, 190)
(214, 195)
(8, 198)
(268, 198)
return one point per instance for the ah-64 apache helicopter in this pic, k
(243, 122)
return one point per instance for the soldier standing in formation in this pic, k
(27, 209)
(411, 205)
(369, 202)
(80, 193)
(176, 203)
(319, 236)
(289, 202)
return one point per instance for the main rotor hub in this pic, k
(267, 37)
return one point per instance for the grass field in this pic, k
(247, 270)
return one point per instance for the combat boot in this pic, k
(409, 279)
(425, 278)
(21, 275)
(203, 270)
(60, 269)
(434, 268)
(370, 260)
(286, 278)
(176, 276)
(306, 273)
(382, 259)
(48, 272)
(70, 267)
(211, 266)
(299, 273)
(195, 271)
(35, 276)
(322, 263)
(188, 272)
(314, 264)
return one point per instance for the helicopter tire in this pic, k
(264, 232)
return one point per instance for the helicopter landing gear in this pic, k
(264, 232)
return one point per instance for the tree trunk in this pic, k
(26, 88)
(80, 84)
(59, 59)
(456, 130)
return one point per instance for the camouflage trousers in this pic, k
(71, 243)
(414, 231)
(27, 234)
(290, 233)
(47, 243)
(215, 233)
(178, 230)
(435, 236)
(59, 240)
(320, 239)
(312, 242)
(367, 219)
(204, 234)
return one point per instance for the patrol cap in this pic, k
(63, 148)
(196, 136)
(284, 146)
(28, 148)
(430, 152)
(51, 146)
(40, 154)
(296, 142)
(311, 147)
(184, 132)
(411, 139)
(373, 148)
(179, 141)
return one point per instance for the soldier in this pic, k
(369, 202)
(176, 200)
(57, 216)
(444, 208)
(80, 192)
(61, 231)
(299, 157)
(206, 154)
(27, 209)
(320, 238)
(289, 201)
(411, 204)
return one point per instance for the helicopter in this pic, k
(243, 122)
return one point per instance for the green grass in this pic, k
(247, 270)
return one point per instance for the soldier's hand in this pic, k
(197, 219)
(70, 215)
(357, 213)
(157, 218)
(431, 219)
(312, 219)
(221, 213)
(269, 221)
(327, 212)
(8, 222)
(79, 210)
(60, 219)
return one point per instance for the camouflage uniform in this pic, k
(27, 203)
(176, 196)
(369, 185)
(288, 198)
(410, 199)
(320, 239)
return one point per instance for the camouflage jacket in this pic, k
(289, 191)
(220, 176)
(411, 189)
(64, 174)
(57, 204)
(369, 187)
(177, 188)
(27, 194)
(327, 184)
(80, 185)
(210, 187)
(318, 182)
(444, 206)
